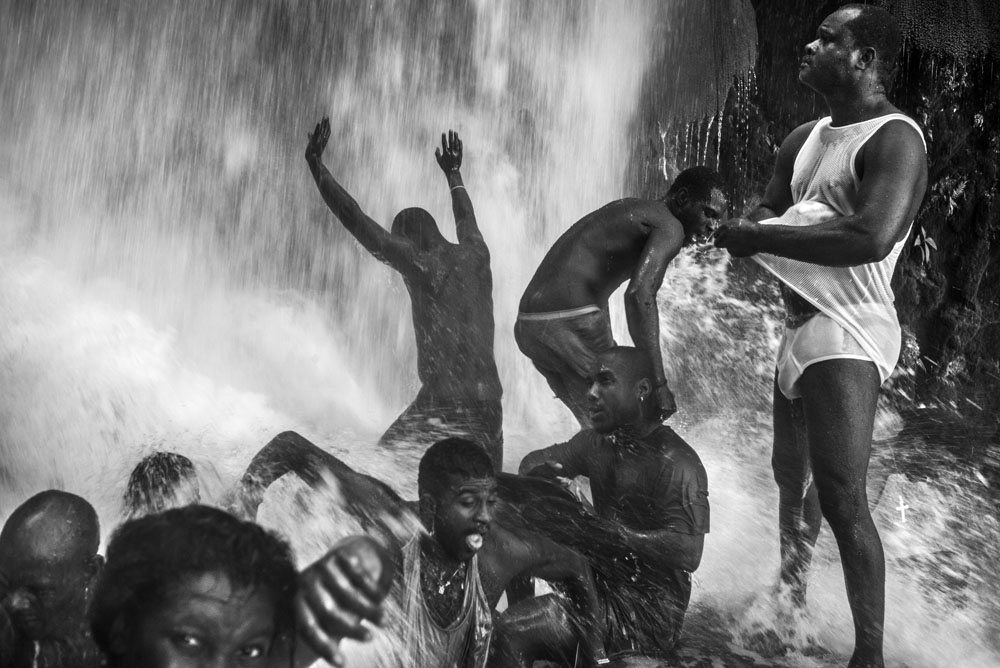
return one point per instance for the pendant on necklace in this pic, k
(441, 588)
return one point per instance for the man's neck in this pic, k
(631, 435)
(854, 105)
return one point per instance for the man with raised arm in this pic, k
(451, 293)
(450, 574)
(563, 320)
(831, 224)
(650, 495)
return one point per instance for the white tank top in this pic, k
(825, 185)
(465, 642)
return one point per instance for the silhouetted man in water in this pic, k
(48, 566)
(563, 321)
(846, 188)
(650, 494)
(451, 292)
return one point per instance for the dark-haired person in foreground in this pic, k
(48, 565)
(831, 224)
(195, 586)
(450, 576)
(563, 320)
(650, 493)
(451, 293)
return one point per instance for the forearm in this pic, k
(591, 629)
(644, 327)
(841, 242)
(347, 210)
(664, 547)
(579, 583)
(461, 204)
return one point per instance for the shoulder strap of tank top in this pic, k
(898, 117)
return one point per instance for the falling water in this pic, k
(170, 279)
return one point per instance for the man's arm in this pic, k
(666, 548)
(449, 157)
(337, 594)
(529, 554)
(664, 242)
(891, 188)
(562, 460)
(395, 251)
(778, 194)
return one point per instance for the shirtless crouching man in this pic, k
(563, 321)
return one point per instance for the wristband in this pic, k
(603, 662)
(454, 188)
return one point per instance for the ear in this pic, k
(427, 509)
(643, 389)
(681, 196)
(866, 60)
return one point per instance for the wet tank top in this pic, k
(465, 642)
(825, 185)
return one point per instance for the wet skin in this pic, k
(204, 622)
(829, 430)
(629, 239)
(337, 595)
(450, 285)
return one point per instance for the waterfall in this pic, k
(171, 279)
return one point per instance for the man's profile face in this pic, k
(612, 400)
(204, 621)
(464, 514)
(700, 217)
(829, 58)
(44, 595)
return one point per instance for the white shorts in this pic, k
(820, 338)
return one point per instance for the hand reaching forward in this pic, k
(317, 141)
(737, 236)
(341, 590)
(449, 156)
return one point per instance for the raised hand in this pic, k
(341, 590)
(449, 156)
(317, 141)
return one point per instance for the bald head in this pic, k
(53, 524)
(48, 561)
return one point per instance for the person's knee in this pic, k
(842, 501)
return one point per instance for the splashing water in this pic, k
(170, 279)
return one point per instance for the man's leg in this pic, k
(536, 629)
(839, 398)
(799, 516)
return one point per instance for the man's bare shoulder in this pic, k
(626, 218)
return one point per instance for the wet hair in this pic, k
(876, 28)
(418, 226)
(638, 366)
(699, 181)
(154, 480)
(458, 457)
(76, 518)
(149, 556)
(635, 362)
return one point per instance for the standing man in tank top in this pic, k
(831, 224)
